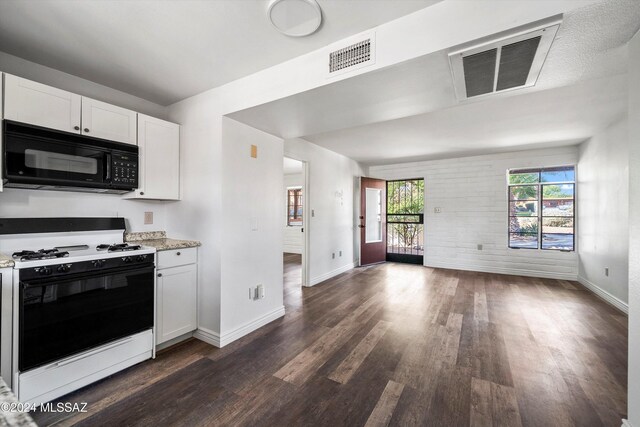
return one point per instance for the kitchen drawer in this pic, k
(176, 257)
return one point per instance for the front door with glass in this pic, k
(373, 236)
(405, 221)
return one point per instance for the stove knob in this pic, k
(45, 271)
(141, 258)
(97, 263)
(127, 259)
(62, 268)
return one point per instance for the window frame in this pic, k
(540, 202)
(298, 203)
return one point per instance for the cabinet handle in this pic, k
(177, 253)
(159, 274)
(76, 127)
(142, 193)
(86, 130)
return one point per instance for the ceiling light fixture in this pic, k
(295, 18)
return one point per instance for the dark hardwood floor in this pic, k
(391, 344)
(292, 280)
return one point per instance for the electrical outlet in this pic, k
(148, 217)
(479, 247)
(437, 210)
(606, 271)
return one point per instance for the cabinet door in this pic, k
(37, 104)
(176, 302)
(159, 174)
(107, 121)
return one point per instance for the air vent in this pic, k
(351, 54)
(510, 62)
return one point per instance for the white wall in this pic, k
(293, 237)
(603, 213)
(252, 212)
(633, 403)
(198, 215)
(30, 70)
(332, 195)
(37, 203)
(472, 195)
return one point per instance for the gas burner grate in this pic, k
(118, 247)
(40, 254)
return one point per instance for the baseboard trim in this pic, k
(331, 274)
(604, 295)
(626, 423)
(208, 336)
(501, 270)
(247, 328)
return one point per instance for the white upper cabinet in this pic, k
(37, 104)
(159, 167)
(106, 121)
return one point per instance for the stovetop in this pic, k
(33, 250)
(72, 251)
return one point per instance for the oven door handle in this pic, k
(91, 353)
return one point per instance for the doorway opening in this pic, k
(294, 230)
(405, 221)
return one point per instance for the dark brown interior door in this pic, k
(373, 233)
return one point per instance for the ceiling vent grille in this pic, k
(351, 54)
(510, 62)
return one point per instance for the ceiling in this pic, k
(554, 117)
(409, 111)
(292, 166)
(165, 51)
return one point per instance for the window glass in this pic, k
(542, 208)
(558, 191)
(557, 207)
(294, 206)
(564, 174)
(523, 192)
(524, 208)
(524, 178)
(524, 241)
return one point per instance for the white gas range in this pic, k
(80, 305)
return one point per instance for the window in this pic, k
(294, 206)
(541, 208)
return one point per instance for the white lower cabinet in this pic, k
(176, 305)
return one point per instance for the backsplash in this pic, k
(40, 203)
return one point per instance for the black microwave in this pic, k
(40, 158)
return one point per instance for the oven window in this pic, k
(59, 318)
(38, 159)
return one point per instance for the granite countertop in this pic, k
(12, 418)
(6, 261)
(159, 240)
